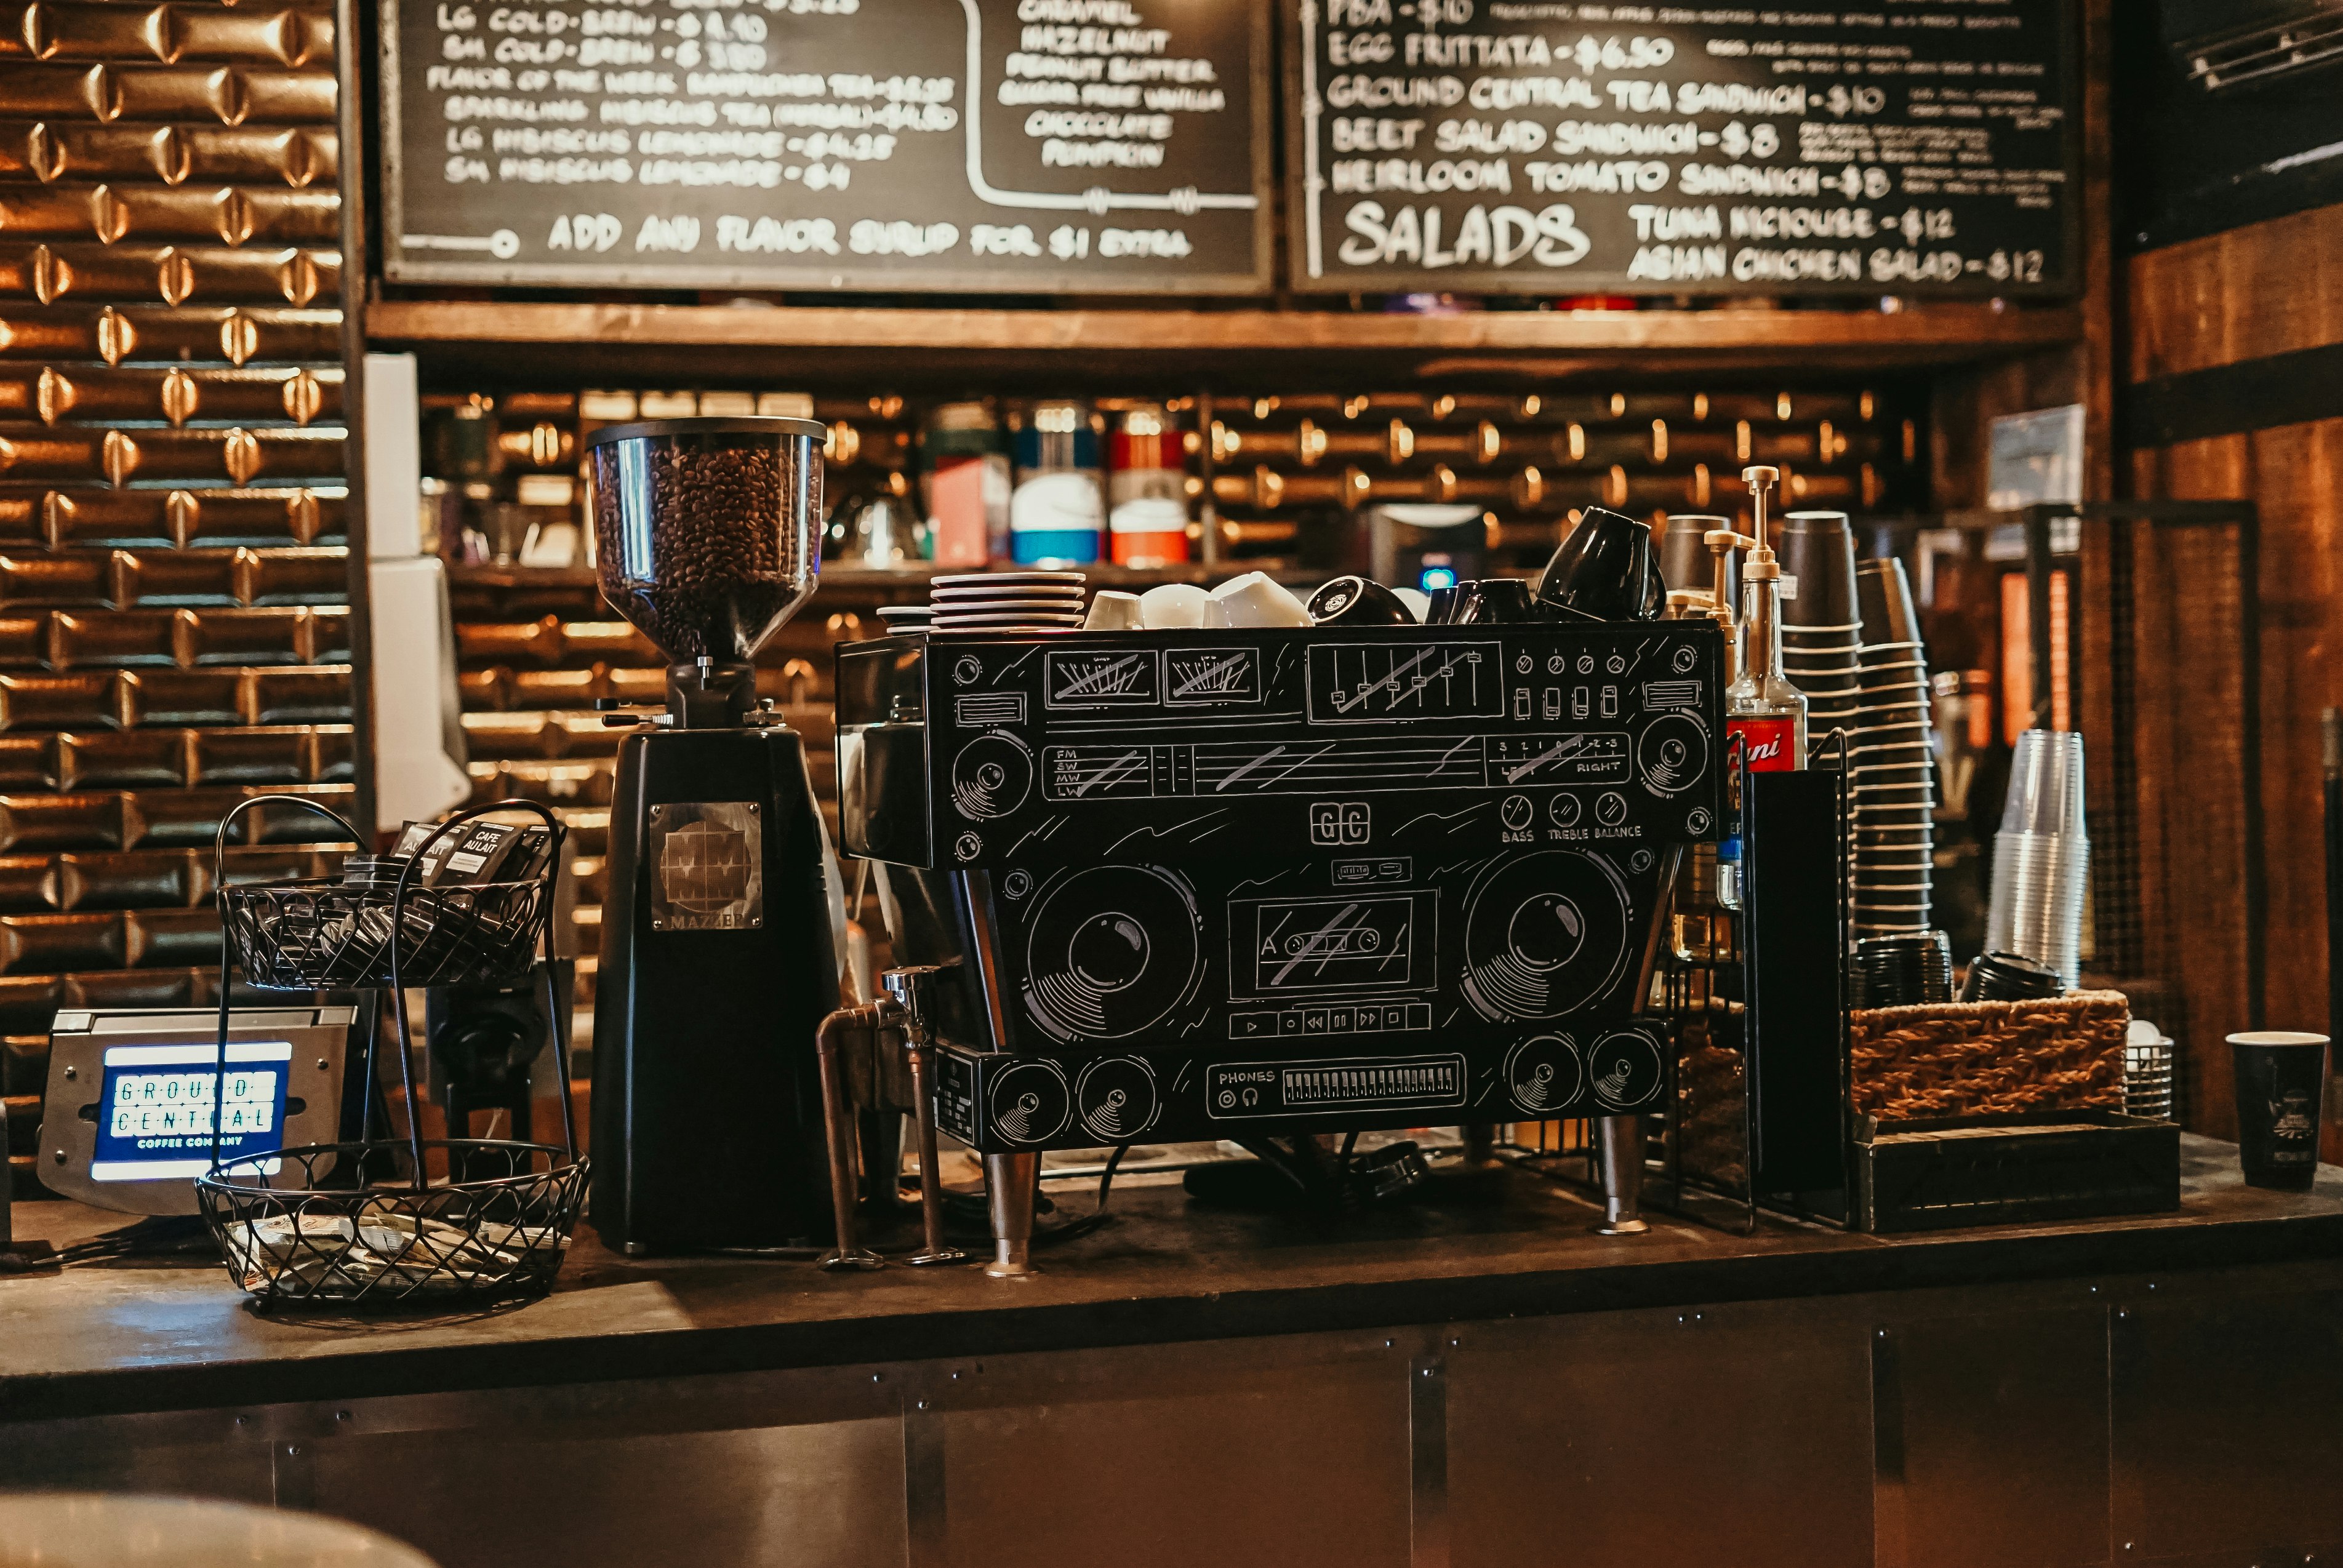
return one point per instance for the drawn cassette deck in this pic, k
(1207, 998)
(980, 751)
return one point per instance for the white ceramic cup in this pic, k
(1173, 606)
(1255, 599)
(1418, 602)
(1112, 612)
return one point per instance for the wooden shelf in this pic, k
(825, 346)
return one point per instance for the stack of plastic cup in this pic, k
(2041, 856)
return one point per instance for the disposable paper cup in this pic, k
(2281, 1082)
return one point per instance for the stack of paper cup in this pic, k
(1894, 784)
(1820, 625)
(2041, 858)
(1821, 631)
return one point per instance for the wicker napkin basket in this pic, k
(1940, 1060)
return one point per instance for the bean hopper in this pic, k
(718, 963)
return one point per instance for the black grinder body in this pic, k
(717, 966)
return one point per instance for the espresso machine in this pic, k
(1254, 884)
(718, 960)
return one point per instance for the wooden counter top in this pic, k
(108, 1339)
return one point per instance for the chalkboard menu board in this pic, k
(1918, 147)
(1013, 145)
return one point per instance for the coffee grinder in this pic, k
(717, 961)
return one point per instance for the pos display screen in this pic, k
(156, 1114)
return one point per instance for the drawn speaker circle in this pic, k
(1544, 1073)
(1111, 951)
(1116, 1098)
(1673, 754)
(1030, 1103)
(1626, 1068)
(991, 776)
(1545, 934)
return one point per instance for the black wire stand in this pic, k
(366, 1223)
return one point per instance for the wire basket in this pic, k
(366, 1222)
(324, 936)
(1932, 1061)
(348, 1222)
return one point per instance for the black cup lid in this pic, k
(2012, 977)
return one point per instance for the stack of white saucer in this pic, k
(1006, 601)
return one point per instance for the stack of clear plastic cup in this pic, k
(2041, 856)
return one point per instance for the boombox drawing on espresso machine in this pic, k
(1253, 883)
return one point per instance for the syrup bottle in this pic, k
(1700, 925)
(1761, 705)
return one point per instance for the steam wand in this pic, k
(908, 989)
(906, 1007)
(838, 1122)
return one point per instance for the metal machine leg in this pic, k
(1622, 1147)
(1011, 1181)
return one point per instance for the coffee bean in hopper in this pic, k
(720, 569)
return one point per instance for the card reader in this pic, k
(133, 1096)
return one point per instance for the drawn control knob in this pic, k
(1564, 809)
(1116, 1098)
(1611, 809)
(1516, 812)
(1624, 1070)
(1029, 1102)
(1545, 1074)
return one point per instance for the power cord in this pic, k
(1096, 1217)
(974, 1214)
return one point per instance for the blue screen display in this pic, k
(156, 1119)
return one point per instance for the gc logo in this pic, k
(1340, 822)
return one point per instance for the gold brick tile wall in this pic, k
(173, 635)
